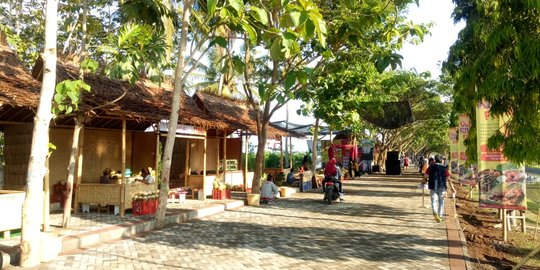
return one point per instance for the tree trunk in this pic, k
(259, 159)
(76, 130)
(32, 206)
(71, 170)
(173, 118)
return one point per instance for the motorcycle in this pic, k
(330, 192)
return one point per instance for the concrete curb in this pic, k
(457, 245)
(145, 224)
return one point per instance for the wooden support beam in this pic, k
(79, 169)
(123, 185)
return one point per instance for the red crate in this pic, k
(137, 208)
(140, 208)
(152, 207)
(221, 194)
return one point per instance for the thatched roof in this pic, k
(143, 103)
(236, 113)
(19, 92)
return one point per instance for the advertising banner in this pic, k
(453, 137)
(464, 127)
(502, 184)
(466, 173)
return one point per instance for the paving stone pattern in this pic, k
(84, 222)
(381, 225)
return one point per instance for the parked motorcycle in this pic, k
(330, 192)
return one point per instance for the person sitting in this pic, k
(146, 177)
(291, 180)
(106, 177)
(269, 190)
(333, 173)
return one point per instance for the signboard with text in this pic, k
(502, 184)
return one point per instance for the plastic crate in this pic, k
(221, 194)
(141, 208)
(137, 208)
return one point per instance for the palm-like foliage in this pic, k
(135, 52)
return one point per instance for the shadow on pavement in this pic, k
(306, 243)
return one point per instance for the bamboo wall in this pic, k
(18, 141)
(102, 149)
(197, 153)
(178, 158)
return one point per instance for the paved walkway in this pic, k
(382, 225)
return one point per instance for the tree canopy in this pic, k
(497, 59)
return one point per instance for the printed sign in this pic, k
(502, 184)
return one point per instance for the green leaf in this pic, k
(309, 28)
(290, 80)
(284, 3)
(289, 39)
(221, 41)
(290, 95)
(238, 65)
(58, 98)
(262, 91)
(295, 18)
(74, 96)
(259, 14)
(252, 35)
(90, 64)
(275, 49)
(212, 4)
(86, 86)
(238, 5)
(304, 15)
(280, 99)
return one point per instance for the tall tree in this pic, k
(282, 30)
(32, 206)
(195, 16)
(75, 96)
(496, 59)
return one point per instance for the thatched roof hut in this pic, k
(142, 104)
(19, 92)
(236, 113)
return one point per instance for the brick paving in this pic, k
(84, 222)
(381, 225)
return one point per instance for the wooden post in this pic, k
(536, 227)
(225, 157)
(204, 168)
(523, 220)
(79, 170)
(290, 153)
(281, 152)
(505, 225)
(246, 163)
(46, 200)
(217, 156)
(123, 185)
(156, 158)
(187, 164)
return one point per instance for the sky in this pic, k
(429, 55)
(426, 56)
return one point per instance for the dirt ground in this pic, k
(483, 232)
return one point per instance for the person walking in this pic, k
(438, 180)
